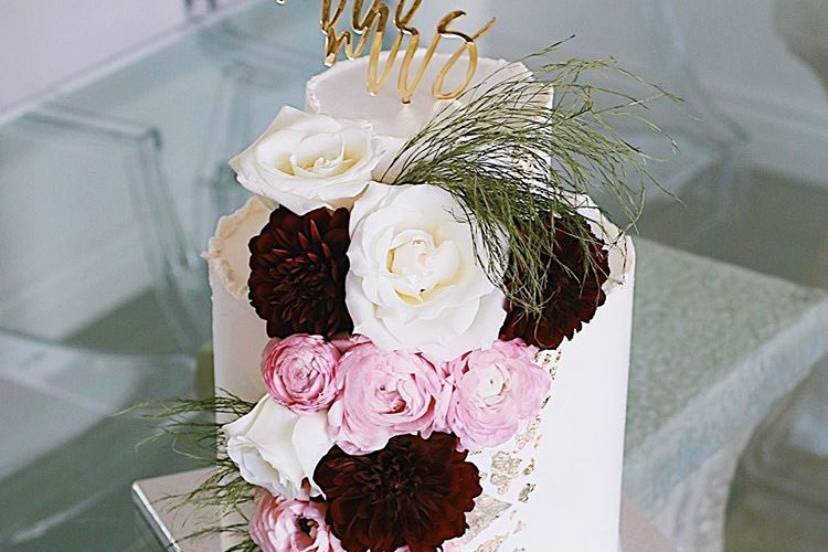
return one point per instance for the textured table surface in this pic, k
(714, 346)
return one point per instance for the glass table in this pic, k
(714, 347)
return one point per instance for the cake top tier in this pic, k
(340, 92)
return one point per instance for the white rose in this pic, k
(305, 161)
(415, 281)
(278, 449)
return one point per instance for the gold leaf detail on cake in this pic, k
(486, 511)
(505, 469)
(549, 360)
(530, 468)
(491, 545)
(526, 492)
(530, 434)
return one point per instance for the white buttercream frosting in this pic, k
(341, 92)
(619, 246)
(227, 253)
(239, 335)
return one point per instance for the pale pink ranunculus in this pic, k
(447, 547)
(495, 390)
(383, 394)
(299, 372)
(347, 342)
(282, 525)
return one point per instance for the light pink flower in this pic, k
(495, 390)
(447, 547)
(383, 394)
(281, 525)
(299, 372)
(347, 342)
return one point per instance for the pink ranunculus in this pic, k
(347, 342)
(281, 525)
(447, 547)
(300, 371)
(495, 390)
(383, 394)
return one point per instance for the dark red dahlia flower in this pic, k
(415, 492)
(298, 266)
(574, 290)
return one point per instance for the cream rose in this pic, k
(306, 161)
(415, 281)
(277, 449)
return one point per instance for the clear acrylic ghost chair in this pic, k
(86, 225)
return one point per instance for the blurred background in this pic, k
(116, 121)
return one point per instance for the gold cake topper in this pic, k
(370, 27)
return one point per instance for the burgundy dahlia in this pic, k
(574, 290)
(415, 492)
(297, 279)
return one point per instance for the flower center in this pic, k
(321, 155)
(391, 399)
(398, 475)
(493, 385)
(419, 264)
(307, 526)
(299, 378)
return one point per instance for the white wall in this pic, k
(45, 42)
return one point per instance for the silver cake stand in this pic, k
(173, 522)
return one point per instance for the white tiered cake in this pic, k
(557, 484)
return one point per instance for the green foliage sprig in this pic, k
(193, 428)
(513, 161)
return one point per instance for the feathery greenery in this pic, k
(195, 433)
(512, 161)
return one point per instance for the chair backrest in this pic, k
(87, 225)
